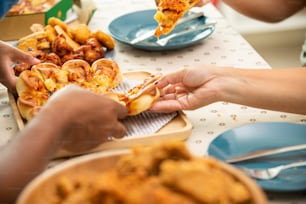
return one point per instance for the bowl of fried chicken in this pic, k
(160, 173)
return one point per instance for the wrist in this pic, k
(230, 86)
(53, 120)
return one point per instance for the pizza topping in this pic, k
(107, 72)
(169, 12)
(29, 104)
(30, 81)
(78, 70)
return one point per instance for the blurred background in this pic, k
(279, 44)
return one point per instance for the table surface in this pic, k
(224, 47)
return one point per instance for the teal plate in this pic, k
(127, 27)
(266, 135)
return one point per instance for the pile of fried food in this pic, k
(31, 6)
(57, 43)
(169, 12)
(73, 56)
(163, 173)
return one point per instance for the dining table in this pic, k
(224, 47)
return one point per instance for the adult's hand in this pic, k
(187, 89)
(88, 119)
(8, 57)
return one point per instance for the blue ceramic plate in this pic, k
(127, 27)
(257, 136)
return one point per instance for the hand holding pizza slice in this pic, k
(169, 12)
(139, 98)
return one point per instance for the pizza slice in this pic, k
(107, 74)
(169, 12)
(29, 104)
(79, 71)
(140, 97)
(30, 82)
(32, 94)
(53, 77)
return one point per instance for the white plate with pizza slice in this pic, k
(128, 27)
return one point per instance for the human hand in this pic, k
(202, 3)
(8, 57)
(186, 89)
(88, 119)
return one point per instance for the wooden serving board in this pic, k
(179, 128)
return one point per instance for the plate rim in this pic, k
(262, 183)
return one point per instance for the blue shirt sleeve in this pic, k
(5, 6)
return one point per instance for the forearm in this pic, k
(281, 90)
(29, 153)
(269, 11)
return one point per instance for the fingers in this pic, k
(26, 58)
(31, 60)
(121, 110)
(166, 106)
(171, 78)
(17, 55)
(7, 76)
(119, 131)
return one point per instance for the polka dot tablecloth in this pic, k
(224, 47)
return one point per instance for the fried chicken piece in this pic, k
(53, 58)
(105, 188)
(152, 191)
(105, 39)
(60, 46)
(203, 180)
(145, 161)
(70, 57)
(80, 33)
(91, 51)
(20, 67)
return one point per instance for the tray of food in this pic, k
(141, 128)
(73, 65)
(160, 173)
